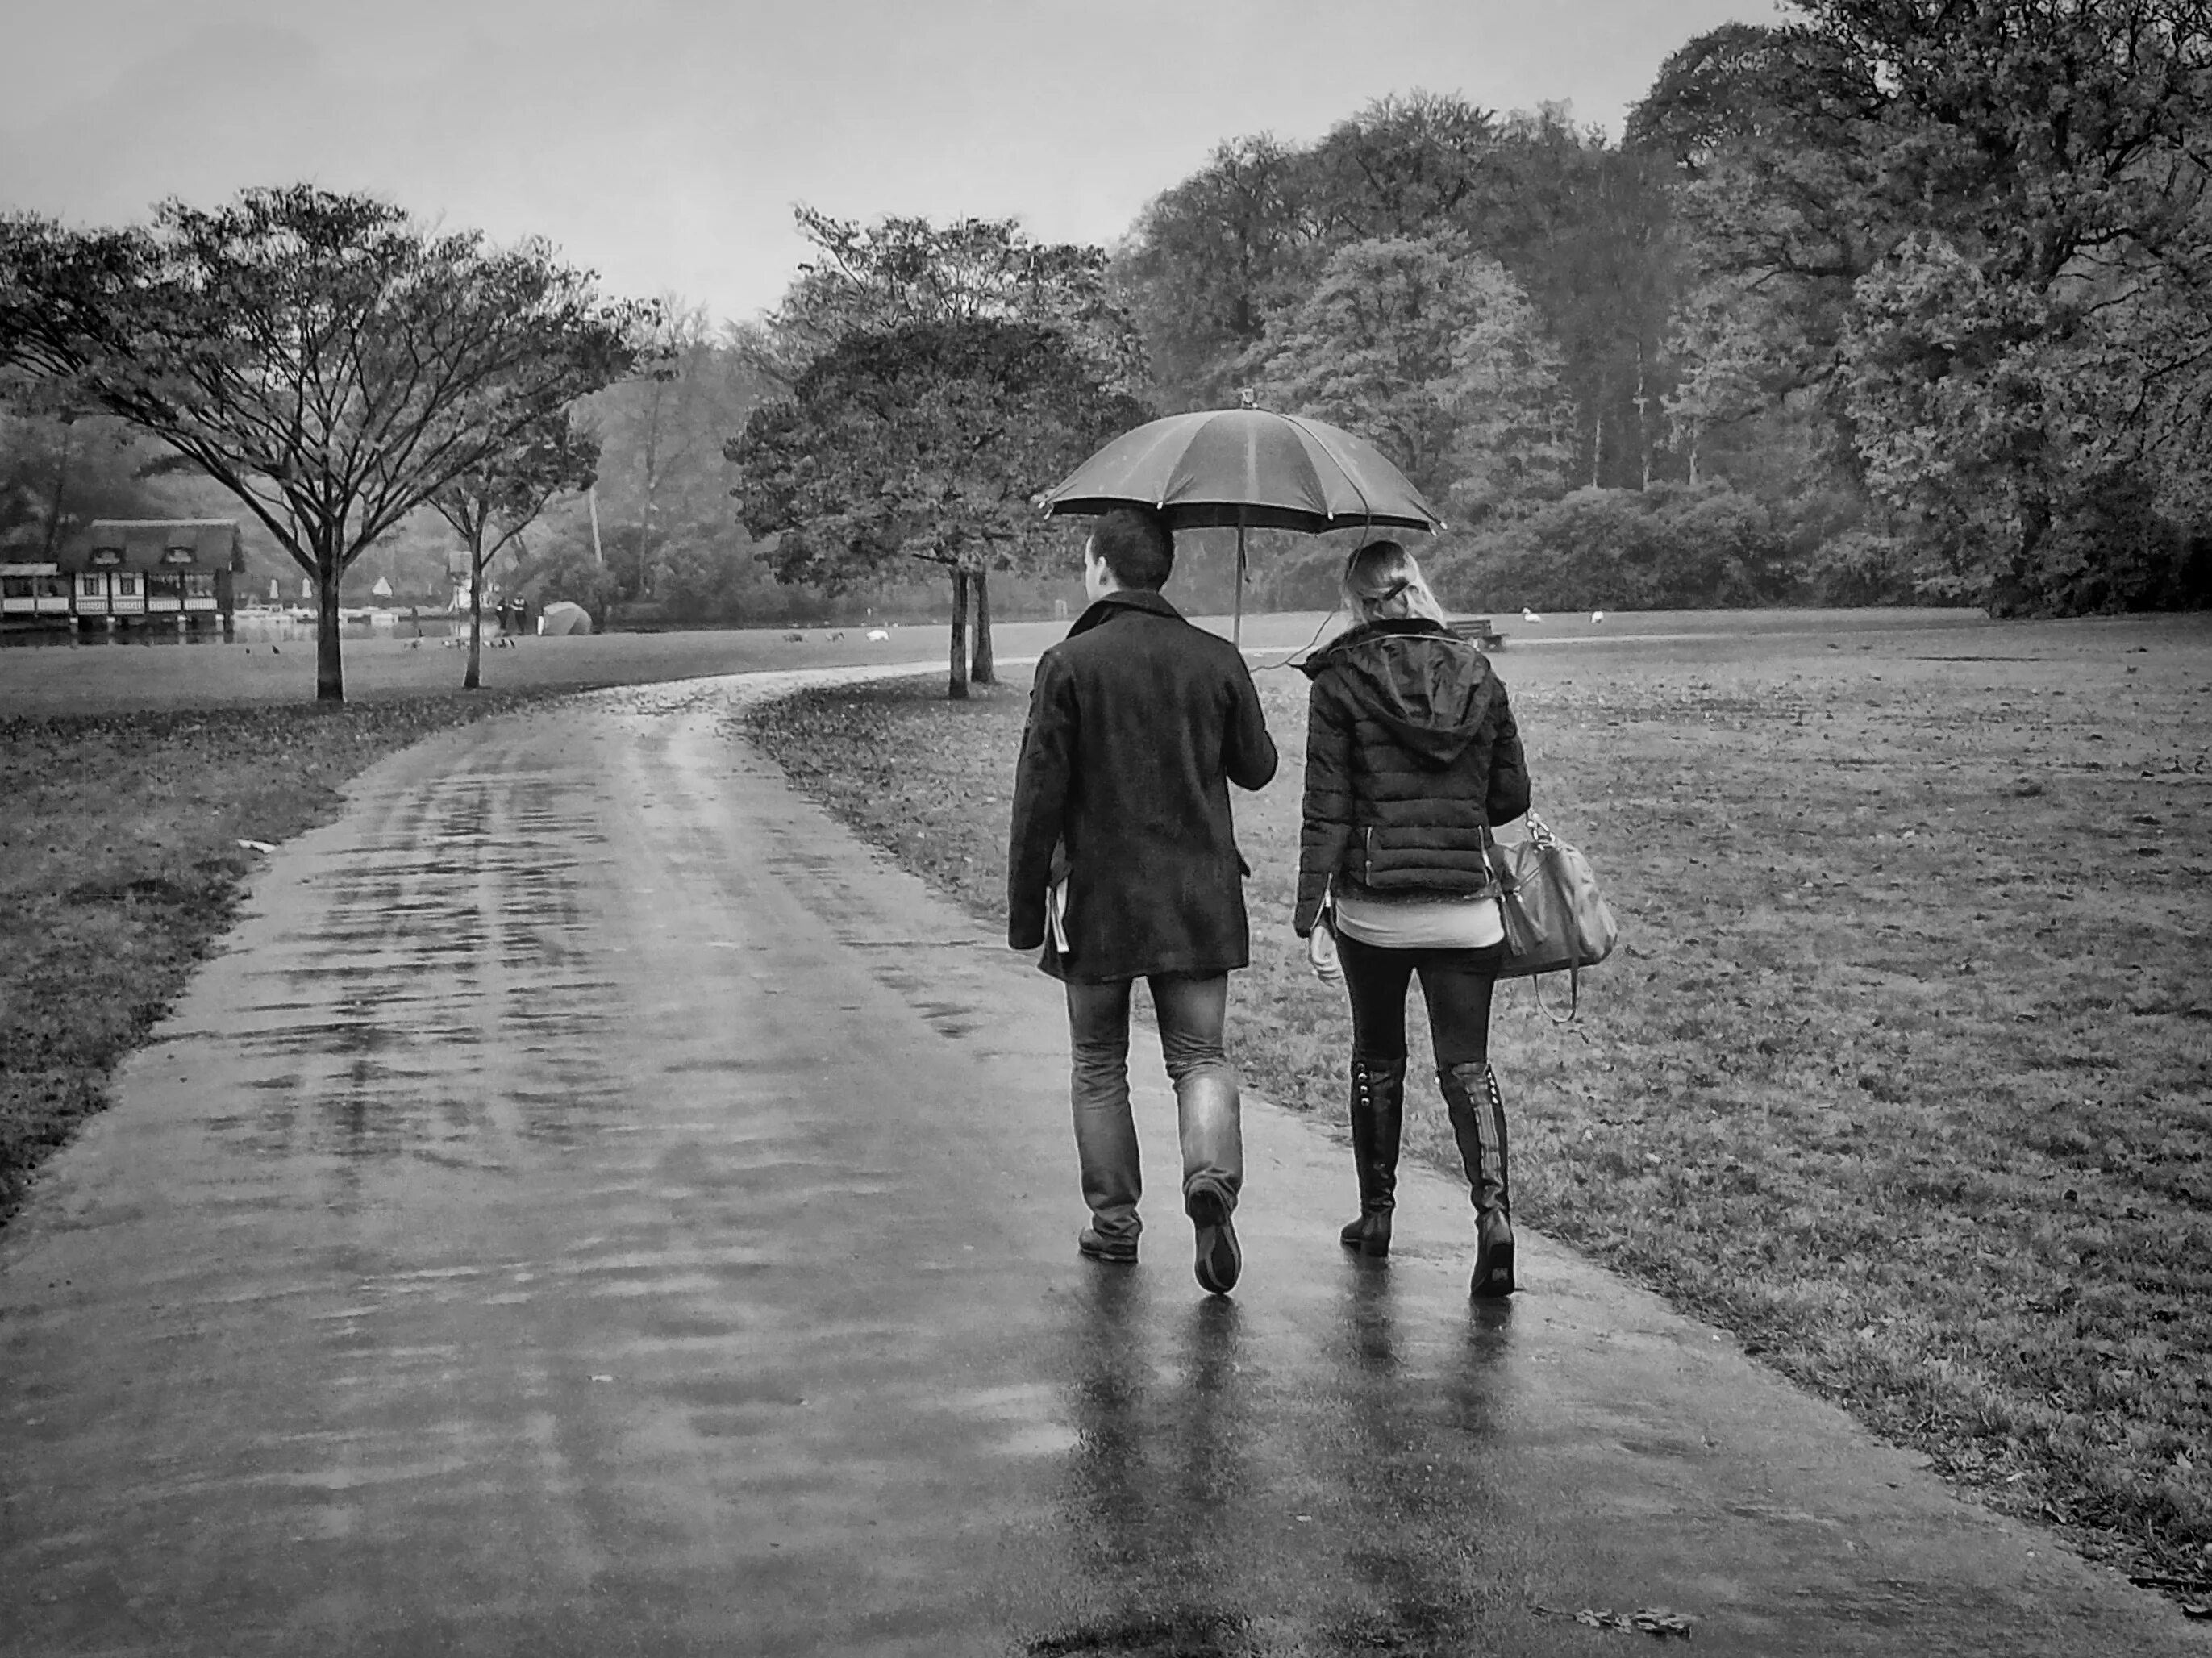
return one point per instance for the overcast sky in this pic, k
(662, 143)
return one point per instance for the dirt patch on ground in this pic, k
(1904, 1069)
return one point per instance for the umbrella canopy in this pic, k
(1248, 467)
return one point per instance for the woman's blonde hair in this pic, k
(1383, 583)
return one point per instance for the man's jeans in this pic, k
(1191, 1013)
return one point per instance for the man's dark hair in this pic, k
(1136, 546)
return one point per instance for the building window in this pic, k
(14, 586)
(164, 584)
(126, 587)
(199, 584)
(51, 586)
(89, 586)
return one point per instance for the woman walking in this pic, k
(1411, 757)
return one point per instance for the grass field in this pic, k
(1904, 1070)
(105, 678)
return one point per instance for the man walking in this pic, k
(1123, 865)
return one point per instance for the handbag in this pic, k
(1556, 920)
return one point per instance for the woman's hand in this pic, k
(1321, 954)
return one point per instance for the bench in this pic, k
(1477, 630)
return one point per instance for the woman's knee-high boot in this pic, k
(1378, 1117)
(1478, 1119)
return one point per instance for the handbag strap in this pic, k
(1573, 1020)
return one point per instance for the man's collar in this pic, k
(1123, 599)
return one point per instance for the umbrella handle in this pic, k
(1237, 613)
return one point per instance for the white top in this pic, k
(1430, 921)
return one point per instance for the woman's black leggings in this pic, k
(1456, 984)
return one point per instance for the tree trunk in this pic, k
(474, 677)
(956, 689)
(1643, 420)
(2016, 590)
(330, 676)
(985, 671)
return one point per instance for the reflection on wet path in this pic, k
(593, 1204)
(453, 1000)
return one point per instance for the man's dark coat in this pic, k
(1139, 723)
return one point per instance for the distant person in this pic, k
(1411, 758)
(1122, 864)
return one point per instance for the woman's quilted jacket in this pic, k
(1412, 754)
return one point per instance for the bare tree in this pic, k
(491, 504)
(324, 358)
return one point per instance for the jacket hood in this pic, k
(1428, 687)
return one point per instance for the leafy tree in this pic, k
(491, 504)
(1431, 351)
(927, 441)
(1980, 239)
(2040, 337)
(1583, 227)
(1587, 228)
(1665, 547)
(1404, 166)
(900, 271)
(1212, 259)
(59, 470)
(324, 358)
(1773, 136)
(1723, 345)
(662, 472)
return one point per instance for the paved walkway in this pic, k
(594, 1206)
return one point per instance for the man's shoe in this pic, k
(1220, 1258)
(1122, 1252)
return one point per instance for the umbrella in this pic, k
(1249, 467)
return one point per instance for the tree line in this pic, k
(1889, 302)
(1909, 299)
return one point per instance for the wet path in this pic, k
(594, 1206)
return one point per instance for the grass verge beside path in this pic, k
(120, 864)
(1904, 1070)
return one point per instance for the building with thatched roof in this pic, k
(139, 572)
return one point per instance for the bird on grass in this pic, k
(1597, 615)
(1528, 615)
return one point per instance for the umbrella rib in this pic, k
(1152, 448)
(1367, 506)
